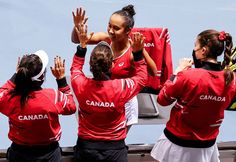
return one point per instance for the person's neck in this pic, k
(120, 47)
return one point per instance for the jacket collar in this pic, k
(212, 66)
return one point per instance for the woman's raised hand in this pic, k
(137, 41)
(79, 17)
(82, 35)
(184, 64)
(59, 68)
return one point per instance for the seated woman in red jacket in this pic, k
(102, 123)
(34, 127)
(201, 94)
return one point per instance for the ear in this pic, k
(204, 51)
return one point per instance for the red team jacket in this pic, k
(201, 98)
(37, 123)
(157, 44)
(101, 103)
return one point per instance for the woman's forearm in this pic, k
(152, 68)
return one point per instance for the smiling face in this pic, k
(117, 28)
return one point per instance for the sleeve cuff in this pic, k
(61, 82)
(138, 55)
(81, 51)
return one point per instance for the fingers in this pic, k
(77, 31)
(190, 61)
(59, 67)
(86, 28)
(58, 63)
(185, 63)
(85, 20)
(83, 28)
(187, 60)
(73, 15)
(78, 11)
(79, 15)
(131, 42)
(63, 64)
(83, 13)
(138, 39)
(55, 62)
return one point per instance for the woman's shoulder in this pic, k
(45, 92)
(198, 75)
(192, 73)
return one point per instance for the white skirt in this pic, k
(166, 151)
(131, 111)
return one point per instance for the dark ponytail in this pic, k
(128, 13)
(29, 66)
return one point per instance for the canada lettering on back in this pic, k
(213, 98)
(100, 103)
(33, 117)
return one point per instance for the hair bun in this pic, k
(129, 9)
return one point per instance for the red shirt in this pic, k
(201, 98)
(37, 122)
(122, 66)
(101, 103)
